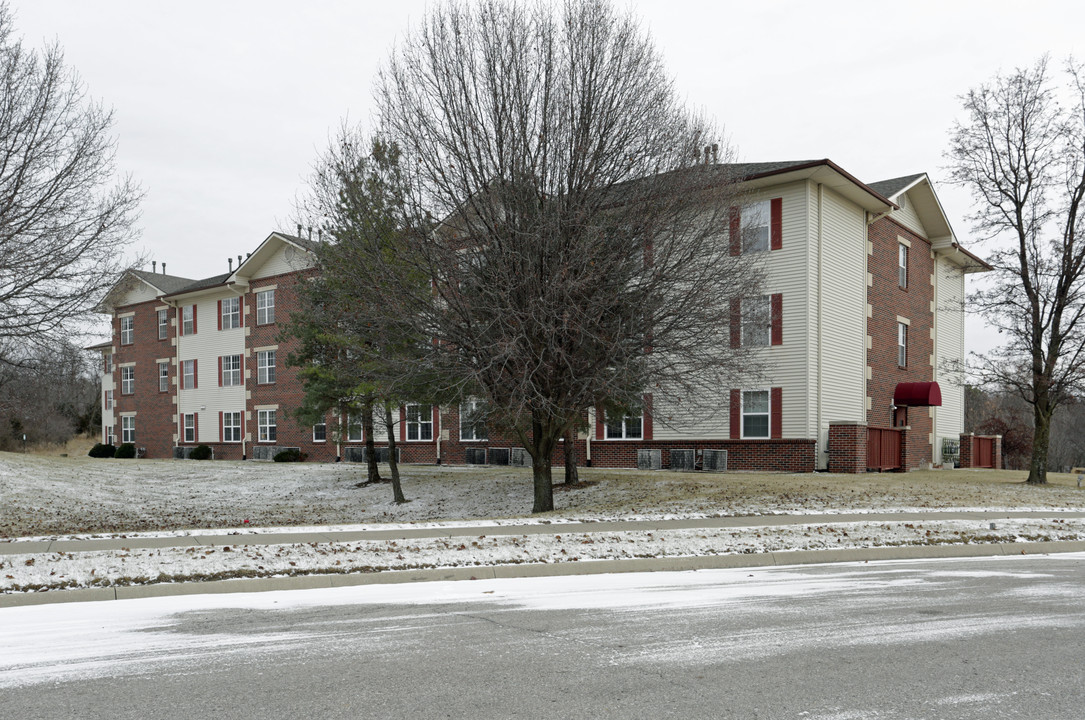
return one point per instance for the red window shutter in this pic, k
(734, 218)
(222, 428)
(776, 417)
(600, 419)
(436, 422)
(195, 373)
(647, 417)
(736, 414)
(220, 314)
(196, 426)
(776, 229)
(777, 301)
(220, 372)
(193, 319)
(403, 423)
(736, 322)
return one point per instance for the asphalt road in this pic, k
(966, 638)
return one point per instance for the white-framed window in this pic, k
(354, 427)
(163, 324)
(755, 413)
(473, 421)
(902, 344)
(128, 329)
(265, 367)
(419, 422)
(128, 380)
(265, 307)
(107, 361)
(108, 399)
(320, 432)
(757, 321)
(902, 265)
(756, 226)
(188, 374)
(231, 427)
(624, 426)
(163, 377)
(231, 313)
(190, 427)
(110, 438)
(188, 320)
(231, 370)
(128, 429)
(265, 421)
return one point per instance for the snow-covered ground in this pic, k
(79, 497)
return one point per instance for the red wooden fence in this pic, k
(983, 453)
(883, 449)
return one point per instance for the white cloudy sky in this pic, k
(221, 107)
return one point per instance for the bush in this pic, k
(102, 451)
(290, 455)
(201, 452)
(125, 450)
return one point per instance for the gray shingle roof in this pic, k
(201, 284)
(888, 188)
(166, 283)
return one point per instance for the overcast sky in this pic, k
(221, 107)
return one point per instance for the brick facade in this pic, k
(889, 304)
(154, 419)
(847, 448)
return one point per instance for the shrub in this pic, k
(290, 455)
(102, 451)
(201, 452)
(125, 450)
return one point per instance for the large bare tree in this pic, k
(64, 220)
(569, 216)
(1021, 153)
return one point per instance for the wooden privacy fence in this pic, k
(883, 449)
(983, 453)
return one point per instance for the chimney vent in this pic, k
(299, 229)
(230, 263)
(715, 152)
(154, 266)
(239, 262)
(163, 268)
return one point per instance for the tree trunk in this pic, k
(542, 442)
(397, 490)
(370, 447)
(1041, 437)
(571, 475)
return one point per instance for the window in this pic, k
(128, 380)
(419, 422)
(128, 429)
(108, 399)
(231, 313)
(107, 361)
(902, 265)
(110, 438)
(190, 427)
(188, 320)
(624, 426)
(163, 377)
(188, 374)
(756, 227)
(265, 367)
(163, 324)
(902, 344)
(756, 321)
(266, 423)
(354, 428)
(473, 421)
(320, 432)
(755, 413)
(231, 427)
(231, 370)
(265, 307)
(128, 328)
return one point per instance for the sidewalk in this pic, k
(333, 578)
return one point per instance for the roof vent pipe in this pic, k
(230, 263)
(239, 262)
(715, 153)
(707, 154)
(163, 268)
(154, 263)
(310, 232)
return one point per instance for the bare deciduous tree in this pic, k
(1022, 155)
(579, 255)
(64, 226)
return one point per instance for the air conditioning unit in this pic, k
(648, 460)
(355, 453)
(715, 460)
(474, 456)
(685, 460)
(519, 457)
(499, 456)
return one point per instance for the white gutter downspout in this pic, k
(821, 254)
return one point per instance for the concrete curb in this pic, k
(587, 567)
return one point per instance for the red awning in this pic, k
(917, 394)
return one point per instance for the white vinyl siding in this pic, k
(948, 346)
(207, 347)
(286, 258)
(907, 217)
